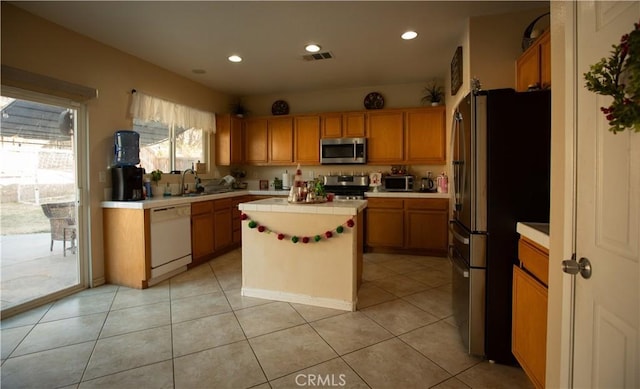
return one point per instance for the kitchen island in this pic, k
(303, 253)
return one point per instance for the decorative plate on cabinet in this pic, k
(374, 100)
(280, 107)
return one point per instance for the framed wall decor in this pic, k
(456, 71)
(264, 184)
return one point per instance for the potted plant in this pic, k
(156, 176)
(238, 109)
(433, 93)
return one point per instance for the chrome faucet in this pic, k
(183, 174)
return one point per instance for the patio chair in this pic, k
(63, 223)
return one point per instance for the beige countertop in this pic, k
(410, 195)
(537, 232)
(278, 204)
(178, 200)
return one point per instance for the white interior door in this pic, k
(607, 324)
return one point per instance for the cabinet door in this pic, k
(236, 141)
(386, 137)
(228, 140)
(223, 229)
(202, 244)
(281, 140)
(529, 332)
(427, 230)
(385, 228)
(307, 140)
(385, 223)
(425, 141)
(545, 60)
(331, 125)
(354, 125)
(528, 68)
(255, 136)
(223, 140)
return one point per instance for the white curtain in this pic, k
(153, 109)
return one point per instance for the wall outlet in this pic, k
(102, 176)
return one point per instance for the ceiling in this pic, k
(363, 37)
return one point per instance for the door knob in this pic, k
(571, 266)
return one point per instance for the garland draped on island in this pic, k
(297, 238)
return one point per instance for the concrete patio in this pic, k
(29, 270)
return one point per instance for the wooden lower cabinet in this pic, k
(418, 226)
(385, 225)
(529, 320)
(202, 231)
(223, 227)
(426, 223)
(211, 229)
(127, 246)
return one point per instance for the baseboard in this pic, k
(300, 299)
(97, 282)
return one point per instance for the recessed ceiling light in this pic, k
(312, 48)
(409, 35)
(235, 58)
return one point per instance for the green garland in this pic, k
(619, 76)
(295, 238)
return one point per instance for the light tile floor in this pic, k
(196, 331)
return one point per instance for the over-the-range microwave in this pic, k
(343, 151)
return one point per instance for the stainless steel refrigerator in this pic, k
(501, 175)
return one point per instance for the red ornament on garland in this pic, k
(328, 234)
(244, 216)
(350, 223)
(261, 228)
(305, 239)
(280, 236)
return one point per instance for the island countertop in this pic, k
(537, 232)
(279, 204)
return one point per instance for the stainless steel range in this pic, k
(347, 187)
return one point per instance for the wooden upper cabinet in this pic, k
(385, 131)
(306, 137)
(533, 67)
(354, 125)
(425, 136)
(331, 125)
(228, 144)
(545, 60)
(280, 140)
(255, 137)
(344, 125)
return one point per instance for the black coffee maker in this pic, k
(127, 183)
(126, 178)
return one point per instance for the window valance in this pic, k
(154, 109)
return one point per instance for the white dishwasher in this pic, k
(170, 240)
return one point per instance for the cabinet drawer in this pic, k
(385, 203)
(431, 204)
(201, 207)
(222, 204)
(535, 259)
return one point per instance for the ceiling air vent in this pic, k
(317, 56)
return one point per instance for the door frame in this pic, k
(565, 81)
(81, 145)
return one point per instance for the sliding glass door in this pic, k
(40, 218)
